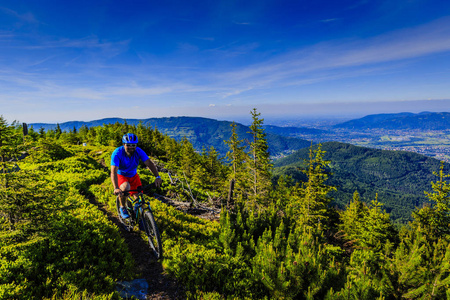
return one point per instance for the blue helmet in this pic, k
(129, 138)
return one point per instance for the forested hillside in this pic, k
(199, 132)
(399, 177)
(274, 240)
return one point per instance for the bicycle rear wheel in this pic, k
(152, 232)
(127, 223)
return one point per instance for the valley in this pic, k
(432, 143)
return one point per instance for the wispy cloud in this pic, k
(409, 43)
(329, 20)
(339, 56)
(22, 51)
(25, 18)
(357, 4)
(6, 35)
(210, 39)
(326, 61)
(322, 62)
(242, 23)
(90, 42)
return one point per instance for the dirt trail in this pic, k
(161, 286)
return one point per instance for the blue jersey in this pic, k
(127, 165)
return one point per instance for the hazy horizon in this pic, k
(277, 120)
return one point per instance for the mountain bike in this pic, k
(140, 213)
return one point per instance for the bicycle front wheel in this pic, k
(152, 232)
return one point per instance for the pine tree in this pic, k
(295, 265)
(367, 227)
(434, 221)
(58, 131)
(9, 141)
(351, 219)
(422, 267)
(282, 193)
(83, 133)
(309, 204)
(259, 165)
(227, 232)
(125, 128)
(42, 132)
(214, 169)
(145, 136)
(102, 136)
(173, 153)
(364, 277)
(237, 157)
(33, 134)
(70, 137)
(200, 175)
(378, 229)
(157, 144)
(8, 150)
(422, 258)
(188, 158)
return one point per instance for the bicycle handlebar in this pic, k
(140, 189)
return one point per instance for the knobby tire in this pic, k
(152, 232)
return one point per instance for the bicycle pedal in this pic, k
(128, 228)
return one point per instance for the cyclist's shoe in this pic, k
(141, 225)
(124, 213)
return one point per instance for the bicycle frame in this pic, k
(140, 204)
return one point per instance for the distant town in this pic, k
(434, 143)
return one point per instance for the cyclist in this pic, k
(124, 163)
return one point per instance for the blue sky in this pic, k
(87, 60)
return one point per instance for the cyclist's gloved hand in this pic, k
(117, 192)
(158, 181)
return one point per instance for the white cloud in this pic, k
(90, 42)
(322, 62)
(329, 20)
(26, 17)
(302, 64)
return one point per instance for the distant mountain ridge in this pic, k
(68, 126)
(401, 121)
(201, 132)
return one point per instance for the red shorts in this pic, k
(134, 181)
